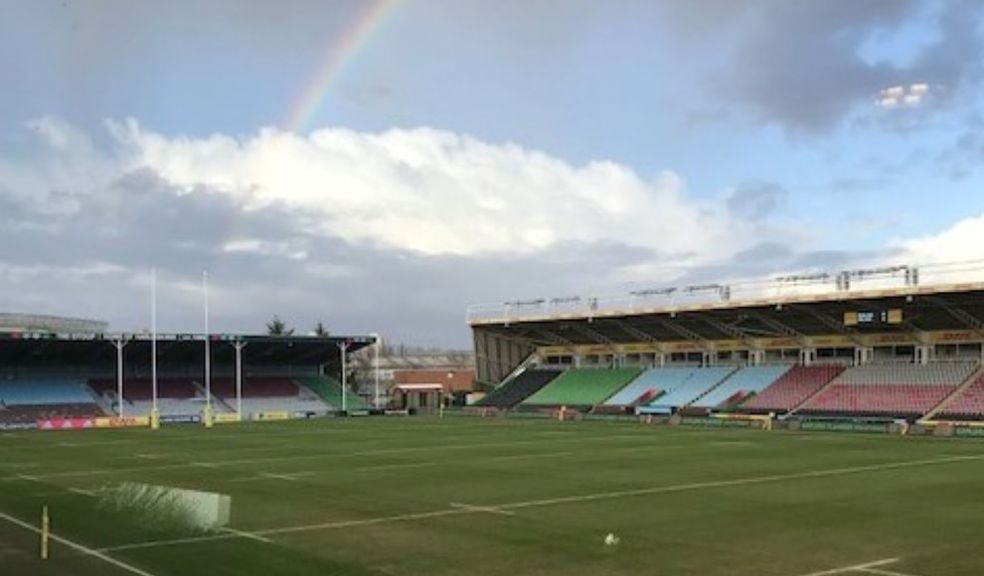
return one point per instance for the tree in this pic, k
(277, 327)
(320, 330)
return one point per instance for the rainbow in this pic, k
(338, 55)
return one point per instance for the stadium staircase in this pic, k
(526, 364)
(582, 387)
(518, 388)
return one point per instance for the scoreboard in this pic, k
(865, 319)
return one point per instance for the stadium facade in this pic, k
(909, 352)
(13, 322)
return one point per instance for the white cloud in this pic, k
(910, 96)
(436, 192)
(964, 241)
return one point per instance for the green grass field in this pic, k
(501, 497)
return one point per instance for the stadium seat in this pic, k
(24, 401)
(969, 403)
(582, 387)
(696, 384)
(141, 389)
(40, 391)
(902, 390)
(664, 379)
(792, 388)
(256, 388)
(329, 391)
(749, 380)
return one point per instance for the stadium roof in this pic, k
(923, 309)
(39, 348)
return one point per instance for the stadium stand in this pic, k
(652, 383)
(696, 384)
(740, 385)
(582, 387)
(271, 394)
(890, 389)
(25, 401)
(792, 389)
(330, 391)
(518, 389)
(968, 404)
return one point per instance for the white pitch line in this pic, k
(379, 452)
(393, 466)
(527, 456)
(486, 509)
(290, 529)
(147, 456)
(572, 499)
(290, 477)
(854, 568)
(881, 572)
(76, 546)
(21, 464)
(81, 491)
(242, 534)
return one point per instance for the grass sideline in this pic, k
(422, 496)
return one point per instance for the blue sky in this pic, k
(767, 117)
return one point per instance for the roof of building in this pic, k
(921, 309)
(38, 348)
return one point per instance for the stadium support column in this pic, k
(375, 368)
(119, 343)
(808, 356)
(207, 416)
(155, 415)
(239, 345)
(343, 348)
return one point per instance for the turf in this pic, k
(405, 497)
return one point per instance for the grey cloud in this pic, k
(797, 64)
(965, 154)
(756, 200)
(96, 259)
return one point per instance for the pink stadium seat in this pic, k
(887, 399)
(891, 389)
(795, 386)
(969, 403)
